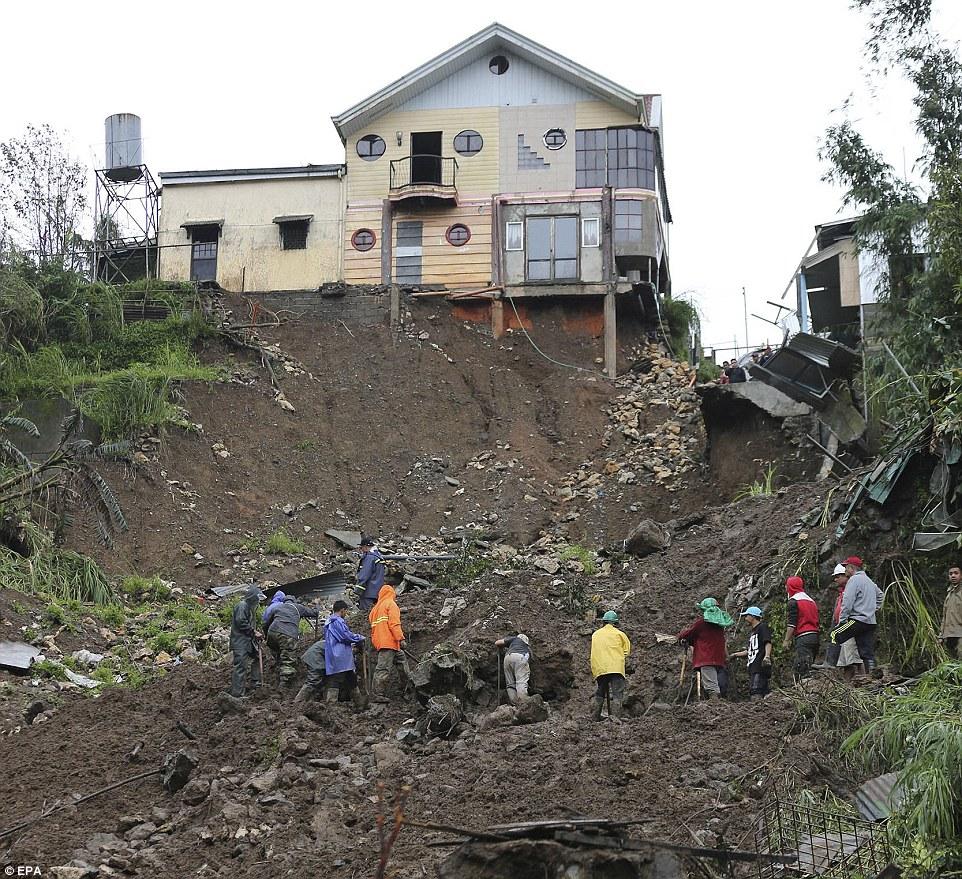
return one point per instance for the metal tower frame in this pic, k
(126, 222)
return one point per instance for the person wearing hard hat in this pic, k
(861, 601)
(609, 649)
(759, 653)
(244, 642)
(706, 637)
(802, 627)
(517, 665)
(843, 656)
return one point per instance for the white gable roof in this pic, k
(483, 44)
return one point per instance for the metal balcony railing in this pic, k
(424, 170)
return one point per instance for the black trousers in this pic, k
(864, 635)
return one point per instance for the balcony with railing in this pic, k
(428, 178)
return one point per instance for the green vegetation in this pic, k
(919, 306)
(765, 487)
(919, 734)
(145, 588)
(59, 573)
(282, 543)
(582, 554)
(908, 630)
(708, 371)
(47, 669)
(306, 445)
(680, 324)
(463, 570)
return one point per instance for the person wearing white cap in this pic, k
(517, 666)
(759, 653)
(843, 656)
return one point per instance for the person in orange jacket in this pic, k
(387, 638)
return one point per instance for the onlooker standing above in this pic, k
(609, 649)
(802, 626)
(952, 612)
(861, 600)
(517, 666)
(844, 656)
(723, 379)
(339, 643)
(759, 653)
(370, 573)
(735, 373)
(706, 636)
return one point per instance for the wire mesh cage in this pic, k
(824, 844)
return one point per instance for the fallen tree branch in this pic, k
(23, 825)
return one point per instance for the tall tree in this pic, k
(916, 230)
(43, 195)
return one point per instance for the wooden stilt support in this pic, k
(611, 336)
(497, 318)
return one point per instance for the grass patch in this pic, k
(583, 555)
(47, 669)
(764, 487)
(306, 445)
(282, 543)
(58, 573)
(464, 570)
(145, 588)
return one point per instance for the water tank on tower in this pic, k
(125, 150)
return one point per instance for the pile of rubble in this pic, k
(663, 452)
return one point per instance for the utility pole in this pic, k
(745, 303)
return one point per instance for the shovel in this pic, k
(499, 678)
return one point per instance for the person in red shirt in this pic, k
(706, 637)
(802, 627)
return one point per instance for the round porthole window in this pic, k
(555, 138)
(458, 235)
(363, 239)
(468, 143)
(370, 147)
(498, 65)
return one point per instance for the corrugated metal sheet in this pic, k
(475, 86)
(878, 797)
(833, 355)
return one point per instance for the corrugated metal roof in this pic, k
(878, 797)
(834, 355)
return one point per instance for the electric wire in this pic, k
(546, 356)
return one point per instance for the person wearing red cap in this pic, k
(802, 627)
(861, 601)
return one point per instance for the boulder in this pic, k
(502, 716)
(646, 537)
(177, 769)
(531, 710)
(196, 791)
(264, 782)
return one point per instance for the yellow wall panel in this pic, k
(476, 175)
(598, 114)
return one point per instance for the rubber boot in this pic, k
(615, 708)
(331, 695)
(596, 711)
(303, 694)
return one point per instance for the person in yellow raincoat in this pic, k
(609, 649)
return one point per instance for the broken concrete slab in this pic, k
(767, 398)
(349, 539)
(17, 656)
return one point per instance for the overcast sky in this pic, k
(749, 88)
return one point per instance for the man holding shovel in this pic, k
(707, 639)
(245, 642)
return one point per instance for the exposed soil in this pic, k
(376, 429)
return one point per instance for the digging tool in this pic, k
(260, 662)
(367, 682)
(499, 677)
(681, 677)
(698, 684)
(608, 700)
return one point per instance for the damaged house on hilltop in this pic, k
(499, 169)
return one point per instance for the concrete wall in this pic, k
(558, 173)
(590, 258)
(365, 306)
(249, 255)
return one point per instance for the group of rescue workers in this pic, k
(332, 667)
(330, 660)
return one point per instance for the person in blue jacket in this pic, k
(271, 609)
(339, 643)
(370, 574)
